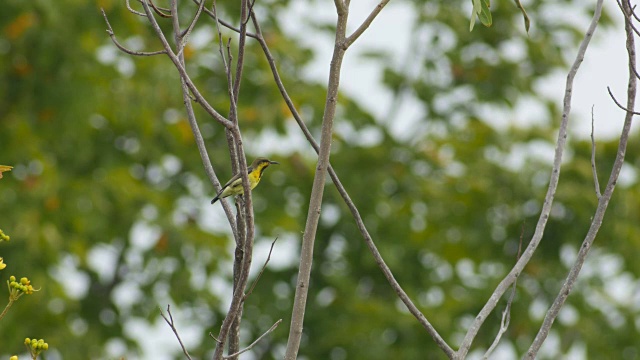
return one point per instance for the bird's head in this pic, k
(262, 162)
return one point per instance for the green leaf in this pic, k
(481, 9)
(476, 10)
(485, 14)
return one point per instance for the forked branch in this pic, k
(549, 197)
(603, 201)
(413, 309)
(172, 325)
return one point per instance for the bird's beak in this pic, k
(274, 162)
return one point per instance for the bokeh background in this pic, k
(444, 144)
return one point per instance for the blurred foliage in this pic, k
(108, 203)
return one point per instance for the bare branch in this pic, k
(244, 242)
(157, 10)
(244, 17)
(360, 30)
(183, 73)
(261, 271)
(630, 13)
(195, 129)
(227, 70)
(253, 2)
(633, 12)
(317, 191)
(548, 201)
(593, 158)
(133, 11)
(273, 327)
(347, 199)
(225, 23)
(620, 105)
(121, 47)
(185, 34)
(172, 325)
(506, 313)
(214, 338)
(603, 202)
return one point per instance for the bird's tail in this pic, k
(215, 199)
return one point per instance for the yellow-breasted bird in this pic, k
(234, 186)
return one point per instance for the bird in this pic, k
(234, 186)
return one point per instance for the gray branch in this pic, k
(548, 200)
(413, 309)
(603, 201)
(596, 183)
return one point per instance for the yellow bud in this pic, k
(12, 278)
(2, 264)
(14, 357)
(27, 341)
(24, 281)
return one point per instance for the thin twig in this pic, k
(633, 12)
(506, 313)
(603, 202)
(185, 34)
(620, 105)
(549, 197)
(244, 17)
(172, 325)
(273, 327)
(167, 10)
(195, 129)
(246, 21)
(134, 11)
(225, 23)
(261, 271)
(413, 309)
(365, 24)
(633, 27)
(181, 70)
(214, 338)
(112, 35)
(158, 11)
(593, 157)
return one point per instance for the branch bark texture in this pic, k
(315, 204)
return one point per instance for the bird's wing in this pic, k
(234, 178)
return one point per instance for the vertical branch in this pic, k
(315, 203)
(548, 200)
(603, 201)
(413, 309)
(244, 242)
(593, 158)
(241, 45)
